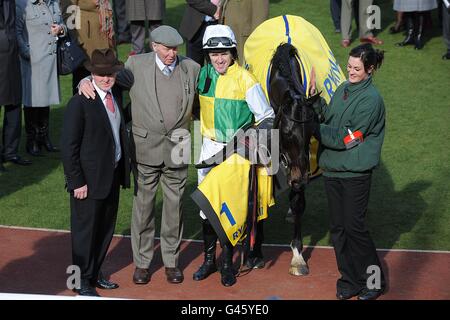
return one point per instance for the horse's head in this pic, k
(295, 115)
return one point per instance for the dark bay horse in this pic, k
(295, 119)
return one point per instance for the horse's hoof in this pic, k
(304, 270)
(294, 271)
(299, 270)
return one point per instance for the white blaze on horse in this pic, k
(282, 53)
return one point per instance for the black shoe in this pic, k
(174, 275)
(205, 270)
(87, 291)
(418, 41)
(48, 145)
(141, 276)
(369, 294)
(209, 263)
(105, 284)
(410, 31)
(418, 44)
(345, 295)
(19, 161)
(228, 277)
(33, 149)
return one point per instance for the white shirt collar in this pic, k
(101, 93)
(161, 65)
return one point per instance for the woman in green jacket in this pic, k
(351, 137)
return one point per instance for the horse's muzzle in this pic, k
(297, 179)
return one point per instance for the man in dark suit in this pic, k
(197, 16)
(96, 162)
(10, 86)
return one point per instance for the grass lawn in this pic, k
(410, 202)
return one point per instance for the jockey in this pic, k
(230, 98)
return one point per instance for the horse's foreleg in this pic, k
(298, 266)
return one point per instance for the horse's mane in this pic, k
(285, 61)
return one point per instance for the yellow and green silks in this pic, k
(223, 196)
(223, 109)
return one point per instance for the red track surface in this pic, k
(35, 262)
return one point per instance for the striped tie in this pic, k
(166, 71)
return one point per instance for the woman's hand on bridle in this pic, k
(312, 83)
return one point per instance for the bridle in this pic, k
(284, 157)
(303, 121)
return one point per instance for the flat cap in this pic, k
(167, 36)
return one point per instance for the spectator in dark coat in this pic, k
(10, 85)
(197, 16)
(121, 23)
(139, 11)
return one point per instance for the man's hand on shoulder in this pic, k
(86, 88)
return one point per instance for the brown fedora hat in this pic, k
(103, 61)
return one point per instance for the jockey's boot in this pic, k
(209, 264)
(409, 39)
(228, 277)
